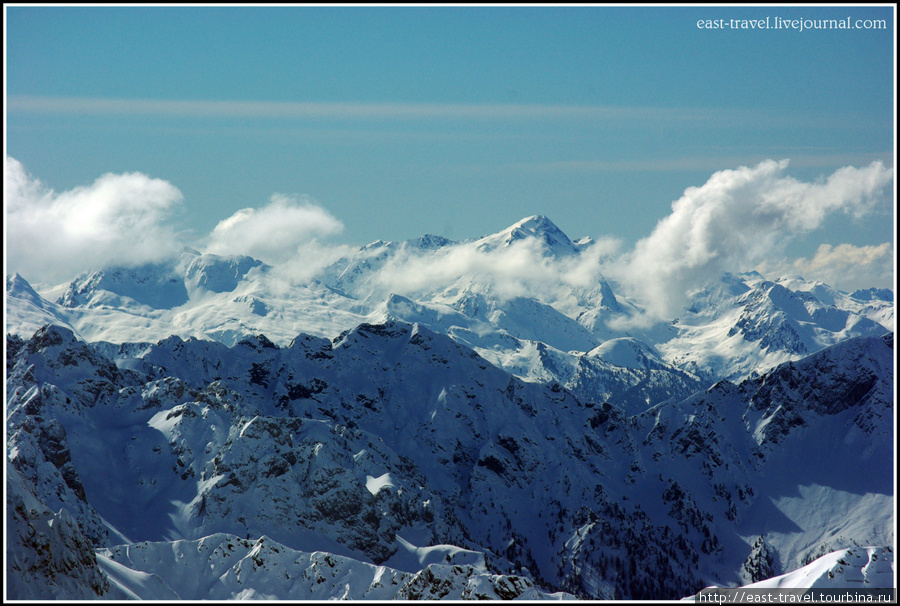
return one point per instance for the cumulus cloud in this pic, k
(117, 220)
(124, 220)
(275, 232)
(736, 220)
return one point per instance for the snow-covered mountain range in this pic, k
(577, 332)
(212, 428)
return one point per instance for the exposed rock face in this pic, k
(394, 448)
(760, 564)
(47, 556)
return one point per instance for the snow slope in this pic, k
(857, 568)
(733, 327)
(412, 423)
(393, 446)
(736, 326)
(225, 567)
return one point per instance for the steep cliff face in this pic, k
(47, 555)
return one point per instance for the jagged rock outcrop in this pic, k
(394, 446)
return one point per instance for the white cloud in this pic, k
(736, 220)
(273, 233)
(520, 269)
(845, 255)
(510, 272)
(121, 220)
(845, 266)
(739, 219)
(117, 220)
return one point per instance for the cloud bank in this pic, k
(117, 220)
(738, 219)
(523, 268)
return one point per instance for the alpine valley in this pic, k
(387, 427)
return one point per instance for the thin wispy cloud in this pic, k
(852, 267)
(687, 162)
(358, 111)
(611, 116)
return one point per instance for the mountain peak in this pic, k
(539, 222)
(155, 285)
(536, 226)
(17, 285)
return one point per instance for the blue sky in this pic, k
(456, 121)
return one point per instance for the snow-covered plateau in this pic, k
(212, 428)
